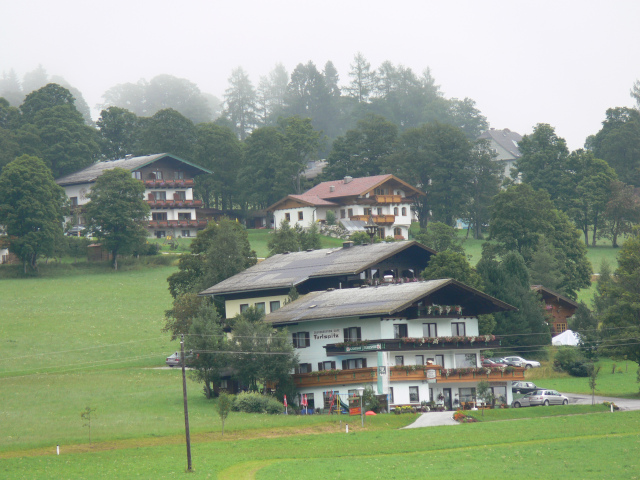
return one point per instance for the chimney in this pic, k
(332, 188)
(347, 179)
(348, 244)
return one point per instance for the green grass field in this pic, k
(83, 336)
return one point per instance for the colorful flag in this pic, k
(285, 400)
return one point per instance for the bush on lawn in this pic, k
(571, 360)
(251, 402)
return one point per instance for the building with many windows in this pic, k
(384, 198)
(169, 184)
(414, 342)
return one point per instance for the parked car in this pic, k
(173, 360)
(523, 387)
(488, 363)
(506, 362)
(523, 362)
(540, 397)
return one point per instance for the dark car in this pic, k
(488, 363)
(524, 387)
(507, 362)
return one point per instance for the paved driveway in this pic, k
(623, 403)
(433, 419)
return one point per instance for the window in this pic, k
(352, 334)
(224, 384)
(354, 363)
(311, 404)
(275, 305)
(430, 330)
(159, 216)
(328, 398)
(158, 175)
(243, 307)
(301, 339)
(466, 360)
(180, 196)
(186, 233)
(184, 215)
(467, 394)
(399, 360)
(457, 329)
(414, 397)
(300, 215)
(400, 330)
(159, 195)
(440, 360)
(287, 217)
(328, 365)
(395, 211)
(419, 359)
(381, 232)
(136, 175)
(303, 368)
(260, 307)
(404, 211)
(367, 211)
(73, 201)
(161, 234)
(178, 175)
(397, 232)
(391, 395)
(561, 327)
(350, 211)
(343, 213)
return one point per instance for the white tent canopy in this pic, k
(568, 337)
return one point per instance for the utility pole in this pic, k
(186, 409)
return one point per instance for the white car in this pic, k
(523, 362)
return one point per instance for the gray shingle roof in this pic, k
(92, 172)
(381, 300)
(506, 139)
(286, 270)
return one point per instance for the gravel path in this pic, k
(433, 419)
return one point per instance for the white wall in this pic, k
(309, 216)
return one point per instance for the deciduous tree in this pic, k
(30, 209)
(117, 212)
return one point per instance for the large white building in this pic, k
(384, 198)
(169, 191)
(413, 342)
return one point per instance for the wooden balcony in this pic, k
(187, 183)
(161, 204)
(388, 199)
(177, 223)
(378, 219)
(433, 344)
(406, 373)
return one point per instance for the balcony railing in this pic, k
(187, 183)
(430, 373)
(411, 344)
(388, 198)
(174, 203)
(378, 219)
(177, 223)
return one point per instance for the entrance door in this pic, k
(447, 398)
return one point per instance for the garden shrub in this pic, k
(252, 402)
(571, 360)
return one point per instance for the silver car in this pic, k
(540, 397)
(524, 363)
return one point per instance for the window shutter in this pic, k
(320, 366)
(364, 363)
(344, 365)
(333, 365)
(307, 342)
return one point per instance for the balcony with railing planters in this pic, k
(412, 343)
(407, 373)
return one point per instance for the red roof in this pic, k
(357, 186)
(312, 199)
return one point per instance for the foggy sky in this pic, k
(557, 62)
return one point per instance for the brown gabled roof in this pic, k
(356, 186)
(305, 200)
(548, 293)
(92, 172)
(384, 300)
(291, 269)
